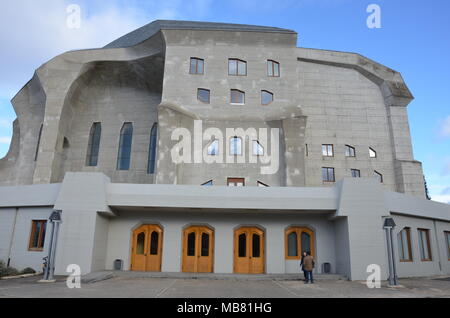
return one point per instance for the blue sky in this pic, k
(413, 40)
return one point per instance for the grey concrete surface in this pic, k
(120, 287)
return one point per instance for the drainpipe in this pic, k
(437, 245)
(389, 226)
(55, 220)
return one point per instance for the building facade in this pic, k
(207, 147)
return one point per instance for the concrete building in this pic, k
(208, 147)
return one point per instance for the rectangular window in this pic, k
(350, 151)
(424, 245)
(203, 95)
(237, 67)
(404, 245)
(236, 182)
(327, 150)
(37, 235)
(356, 173)
(237, 97)
(273, 68)
(447, 239)
(328, 174)
(235, 146)
(196, 66)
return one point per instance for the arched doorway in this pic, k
(198, 250)
(147, 248)
(249, 252)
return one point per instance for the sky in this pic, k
(413, 39)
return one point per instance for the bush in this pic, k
(28, 270)
(8, 271)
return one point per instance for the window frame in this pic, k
(273, 63)
(208, 183)
(205, 90)
(428, 246)
(350, 149)
(41, 236)
(211, 144)
(334, 174)
(264, 91)
(119, 152)
(327, 150)
(409, 245)
(237, 67)
(261, 184)
(240, 149)
(356, 170)
(447, 238)
(235, 180)
(374, 152)
(231, 96)
(298, 230)
(197, 59)
(258, 144)
(152, 150)
(379, 175)
(89, 154)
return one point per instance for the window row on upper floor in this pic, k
(350, 151)
(237, 97)
(328, 174)
(236, 67)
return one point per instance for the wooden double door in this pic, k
(147, 248)
(198, 250)
(249, 251)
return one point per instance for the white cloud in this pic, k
(5, 140)
(445, 127)
(441, 198)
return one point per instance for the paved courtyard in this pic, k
(153, 287)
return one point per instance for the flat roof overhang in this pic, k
(149, 197)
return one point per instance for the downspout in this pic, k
(12, 237)
(437, 245)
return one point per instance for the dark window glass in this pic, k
(154, 238)
(404, 245)
(152, 149)
(350, 151)
(94, 145)
(356, 173)
(242, 245)
(37, 238)
(328, 174)
(256, 242)
(205, 244)
(424, 245)
(197, 66)
(306, 242)
(203, 95)
(292, 244)
(140, 243)
(124, 156)
(237, 97)
(273, 68)
(266, 97)
(327, 151)
(447, 236)
(191, 244)
(237, 67)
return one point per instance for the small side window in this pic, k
(197, 66)
(273, 68)
(203, 95)
(372, 153)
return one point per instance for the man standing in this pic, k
(308, 266)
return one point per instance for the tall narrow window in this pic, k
(94, 145)
(258, 149)
(273, 68)
(37, 236)
(328, 174)
(191, 244)
(154, 238)
(266, 97)
(372, 153)
(213, 148)
(350, 151)
(196, 66)
(424, 244)
(151, 166)
(235, 146)
(356, 173)
(203, 95)
(404, 245)
(327, 150)
(237, 97)
(237, 67)
(378, 175)
(38, 144)
(124, 156)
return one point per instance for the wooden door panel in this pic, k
(198, 250)
(138, 250)
(249, 251)
(145, 256)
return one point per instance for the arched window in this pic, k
(297, 241)
(152, 149)
(126, 138)
(93, 145)
(38, 142)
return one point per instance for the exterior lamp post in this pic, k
(389, 226)
(55, 220)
